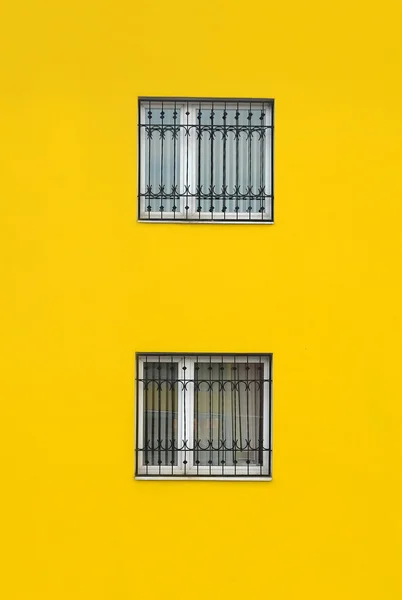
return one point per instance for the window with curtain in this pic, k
(204, 415)
(205, 160)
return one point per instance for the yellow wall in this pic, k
(85, 287)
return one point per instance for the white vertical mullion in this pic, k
(192, 157)
(142, 136)
(182, 167)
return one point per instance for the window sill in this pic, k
(195, 478)
(205, 221)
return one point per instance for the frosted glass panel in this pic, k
(162, 160)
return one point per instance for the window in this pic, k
(204, 416)
(205, 160)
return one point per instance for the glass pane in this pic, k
(160, 413)
(162, 159)
(228, 414)
(231, 158)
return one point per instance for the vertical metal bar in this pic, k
(210, 414)
(222, 392)
(149, 206)
(240, 415)
(173, 441)
(187, 153)
(262, 161)
(185, 415)
(153, 417)
(211, 187)
(146, 386)
(261, 417)
(233, 410)
(224, 164)
(160, 381)
(237, 136)
(236, 390)
(175, 134)
(220, 372)
(199, 208)
(248, 417)
(161, 206)
(249, 163)
(196, 402)
(166, 398)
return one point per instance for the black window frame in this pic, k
(194, 214)
(188, 447)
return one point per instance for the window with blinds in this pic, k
(204, 416)
(205, 160)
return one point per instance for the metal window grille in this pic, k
(204, 416)
(205, 160)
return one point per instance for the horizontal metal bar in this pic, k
(236, 354)
(202, 99)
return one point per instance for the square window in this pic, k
(204, 416)
(206, 160)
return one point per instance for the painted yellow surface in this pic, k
(84, 286)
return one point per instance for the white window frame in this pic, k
(249, 472)
(192, 215)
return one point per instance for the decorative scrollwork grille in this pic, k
(204, 415)
(205, 160)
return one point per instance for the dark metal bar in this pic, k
(250, 139)
(222, 440)
(173, 371)
(149, 206)
(203, 99)
(240, 412)
(185, 415)
(237, 207)
(224, 207)
(260, 428)
(153, 423)
(199, 134)
(187, 182)
(175, 134)
(210, 415)
(159, 390)
(211, 189)
(196, 403)
(166, 398)
(146, 413)
(235, 428)
(263, 141)
(257, 354)
(161, 189)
